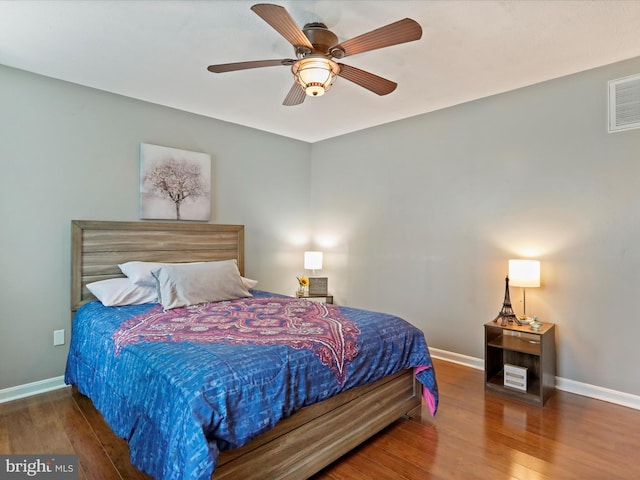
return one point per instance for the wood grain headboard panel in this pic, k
(97, 247)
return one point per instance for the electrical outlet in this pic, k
(58, 337)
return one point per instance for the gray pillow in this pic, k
(182, 285)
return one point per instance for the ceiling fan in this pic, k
(317, 48)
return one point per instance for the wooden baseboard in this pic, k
(599, 393)
(34, 388)
(458, 358)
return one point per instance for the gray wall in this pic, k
(419, 218)
(70, 152)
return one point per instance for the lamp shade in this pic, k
(524, 273)
(315, 74)
(312, 260)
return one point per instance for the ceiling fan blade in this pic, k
(230, 67)
(295, 96)
(283, 23)
(402, 31)
(371, 82)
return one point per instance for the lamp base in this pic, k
(524, 320)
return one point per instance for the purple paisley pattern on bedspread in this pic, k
(298, 323)
(178, 400)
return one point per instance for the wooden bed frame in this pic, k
(298, 446)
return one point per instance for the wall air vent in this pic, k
(624, 103)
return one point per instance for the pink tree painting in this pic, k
(174, 184)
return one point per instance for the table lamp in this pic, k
(524, 273)
(313, 262)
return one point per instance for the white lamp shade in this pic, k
(312, 260)
(524, 273)
(315, 74)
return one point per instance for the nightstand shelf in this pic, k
(523, 348)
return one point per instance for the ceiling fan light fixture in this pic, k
(316, 47)
(315, 74)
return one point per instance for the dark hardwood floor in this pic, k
(475, 435)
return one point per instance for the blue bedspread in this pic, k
(178, 403)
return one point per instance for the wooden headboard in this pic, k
(97, 247)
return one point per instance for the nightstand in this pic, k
(519, 362)
(317, 298)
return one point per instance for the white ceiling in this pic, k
(158, 51)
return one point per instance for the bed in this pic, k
(176, 424)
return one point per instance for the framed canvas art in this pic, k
(174, 184)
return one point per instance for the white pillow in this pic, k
(122, 291)
(140, 272)
(248, 283)
(190, 284)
